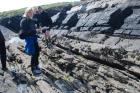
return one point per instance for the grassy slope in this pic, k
(21, 11)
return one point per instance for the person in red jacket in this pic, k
(3, 52)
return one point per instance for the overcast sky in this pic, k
(6, 5)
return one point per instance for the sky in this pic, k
(6, 5)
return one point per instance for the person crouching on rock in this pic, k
(28, 32)
(3, 52)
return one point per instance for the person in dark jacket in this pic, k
(3, 52)
(42, 18)
(29, 31)
(44, 22)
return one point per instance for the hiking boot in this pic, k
(36, 70)
(37, 67)
(4, 68)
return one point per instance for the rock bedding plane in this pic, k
(95, 50)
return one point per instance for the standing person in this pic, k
(3, 52)
(28, 32)
(42, 18)
(44, 22)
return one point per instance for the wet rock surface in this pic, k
(100, 54)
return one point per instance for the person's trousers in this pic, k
(34, 58)
(3, 54)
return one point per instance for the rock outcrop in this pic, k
(95, 49)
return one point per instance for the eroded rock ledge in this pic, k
(77, 67)
(95, 50)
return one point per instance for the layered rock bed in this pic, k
(95, 49)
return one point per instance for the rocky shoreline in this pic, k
(95, 50)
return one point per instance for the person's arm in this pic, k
(2, 39)
(44, 29)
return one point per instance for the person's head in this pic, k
(35, 10)
(28, 13)
(40, 9)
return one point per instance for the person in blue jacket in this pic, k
(28, 32)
